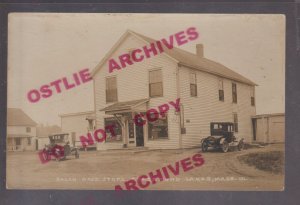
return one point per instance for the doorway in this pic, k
(254, 129)
(139, 131)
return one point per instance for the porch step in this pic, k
(129, 149)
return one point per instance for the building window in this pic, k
(29, 141)
(91, 123)
(111, 89)
(158, 129)
(117, 129)
(221, 90)
(252, 94)
(28, 129)
(18, 141)
(235, 122)
(193, 84)
(155, 83)
(234, 93)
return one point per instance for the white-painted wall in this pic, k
(21, 130)
(75, 123)
(42, 141)
(132, 83)
(206, 107)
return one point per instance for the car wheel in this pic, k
(76, 154)
(67, 150)
(204, 146)
(225, 146)
(241, 145)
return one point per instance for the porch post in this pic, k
(145, 133)
(125, 131)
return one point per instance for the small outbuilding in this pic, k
(78, 124)
(269, 128)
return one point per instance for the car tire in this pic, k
(225, 146)
(67, 150)
(204, 146)
(241, 145)
(76, 154)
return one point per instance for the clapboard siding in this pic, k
(206, 107)
(132, 83)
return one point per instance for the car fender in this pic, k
(240, 139)
(203, 140)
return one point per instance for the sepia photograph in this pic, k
(127, 101)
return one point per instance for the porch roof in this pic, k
(91, 117)
(122, 107)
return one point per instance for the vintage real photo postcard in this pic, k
(111, 101)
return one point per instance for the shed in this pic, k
(269, 128)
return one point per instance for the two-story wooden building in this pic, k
(208, 92)
(21, 131)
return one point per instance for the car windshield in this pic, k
(57, 138)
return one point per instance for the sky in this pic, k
(43, 47)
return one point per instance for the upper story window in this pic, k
(111, 89)
(155, 83)
(193, 84)
(252, 94)
(234, 93)
(221, 90)
(28, 129)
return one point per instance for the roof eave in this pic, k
(218, 74)
(116, 45)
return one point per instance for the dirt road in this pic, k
(105, 169)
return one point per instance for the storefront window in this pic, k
(158, 129)
(117, 129)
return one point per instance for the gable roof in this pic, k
(184, 58)
(17, 117)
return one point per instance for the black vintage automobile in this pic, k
(222, 137)
(59, 147)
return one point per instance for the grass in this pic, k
(272, 161)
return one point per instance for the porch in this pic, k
(132, 128)
(20, 142)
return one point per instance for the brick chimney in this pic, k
(199, 50)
